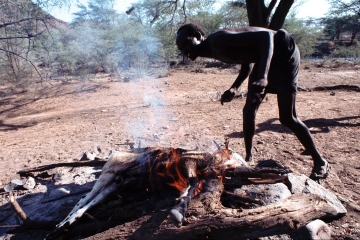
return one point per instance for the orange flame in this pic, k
(199, 187)
(180, 182)
(168, 165)
(222, 156)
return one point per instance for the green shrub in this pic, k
(346, 52)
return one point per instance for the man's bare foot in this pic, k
(320, 171)
(248, 159)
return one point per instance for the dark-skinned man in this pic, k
(271, 60)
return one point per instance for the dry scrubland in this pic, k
(57, 123)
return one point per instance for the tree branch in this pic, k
(184, 11)
(279, 16)
(29, 61)
(271, 6)
(28, 36)
(23, 20)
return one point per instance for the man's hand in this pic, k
(227, 96)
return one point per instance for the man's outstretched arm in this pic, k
(266, 51)
(243, 74)
(229, 94)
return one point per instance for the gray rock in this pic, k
(314, 230)
(270, 163)
(88, 156)
(9, 187)
(296, 183)
(266, 193)
(303, 184)
(30, 183)
(314, 188)
(17, 182)
(12, 185)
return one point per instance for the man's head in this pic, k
(187, 37)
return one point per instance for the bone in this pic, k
(77, 213)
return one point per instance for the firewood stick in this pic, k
(100, 163)
(238, 182)
(9, 226)
(28, 223)
(253, 174)
(238, 178)
(18, 210)
(242, 198)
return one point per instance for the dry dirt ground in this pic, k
(57, 123)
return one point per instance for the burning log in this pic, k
(237, 178)
(163, 171)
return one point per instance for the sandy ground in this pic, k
(57, 123)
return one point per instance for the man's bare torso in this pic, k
(225, 47)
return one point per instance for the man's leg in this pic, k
(252, 104)
(288, 117)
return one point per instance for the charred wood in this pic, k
(237, 178)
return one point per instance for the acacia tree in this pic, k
(306, 33)
(166, 16)
(23, 26)
(234, 15)
(347, 7)
(344, 17)
(102, 40)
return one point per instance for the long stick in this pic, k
(15, 205)
(65, 164)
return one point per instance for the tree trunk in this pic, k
(259, 14)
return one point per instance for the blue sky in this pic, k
(311, 8)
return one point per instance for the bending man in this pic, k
(271, 60)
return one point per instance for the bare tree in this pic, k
(23, 24)
(344, 17)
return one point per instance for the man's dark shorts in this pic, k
(285, 64)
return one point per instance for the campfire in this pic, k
(176, 193)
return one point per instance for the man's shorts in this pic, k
(285, 64)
